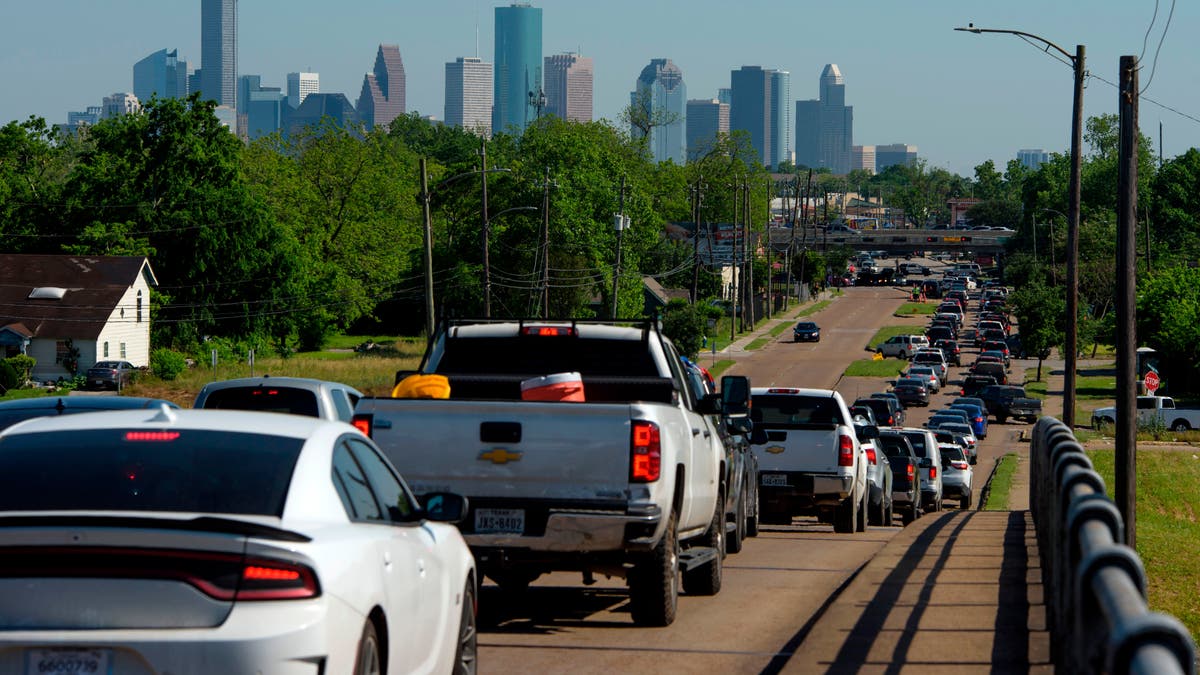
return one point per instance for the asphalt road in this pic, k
(773, 590)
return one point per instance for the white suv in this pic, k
(902, 346)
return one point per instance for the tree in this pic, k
(1168, 319)
(1176, 207)
(685, 324)
(1039, 310)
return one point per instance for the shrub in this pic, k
(23, 364)
(684, 324)
(167, 364)
(8, 377)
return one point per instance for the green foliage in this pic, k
(8, 377)
(1040, 311)
(1168, 319)
(685, 323)
(23, 364)
(167, 364)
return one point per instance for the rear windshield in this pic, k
(894, 446)
(791, 412)
(917, 440)
(104, 470)
(528, 355)
(264, 399)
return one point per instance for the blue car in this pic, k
(806, 331)
(976, 417)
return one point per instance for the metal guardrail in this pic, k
(1095, 586)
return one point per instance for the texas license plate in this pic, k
(500, 521)
(775, 479)
(68, 662)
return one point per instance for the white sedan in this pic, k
(201, 541)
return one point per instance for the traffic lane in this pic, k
(847, 325)
(770, 591)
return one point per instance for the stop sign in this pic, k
(1151, 381)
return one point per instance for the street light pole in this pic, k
(1077, 61)
(619, 223)
(486, 234)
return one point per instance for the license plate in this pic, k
(506, 521)
(68, 661)
(775, 479)
(97, 381)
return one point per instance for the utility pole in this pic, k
(733, 264)
(486, 231)
(697, 196)
(1073, 209)
(767, 248)
(546, 184)
(427, 229)
(1126, 431)
(619, 223)
(748, 283)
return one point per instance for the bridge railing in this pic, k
(1095, 586)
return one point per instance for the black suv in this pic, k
(887, 410)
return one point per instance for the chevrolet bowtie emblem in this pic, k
(775, 449)
(500, 456)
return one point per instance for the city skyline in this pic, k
(961, 98)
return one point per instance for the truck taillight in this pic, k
(363, 424)
(871, 455)
(932, 472)
(845, 451)
(910, 471)
(645, 460)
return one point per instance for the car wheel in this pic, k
(1180, 425)
(965, 502)
(654, 581)
(368, 661)
(734, 543)
(889, 516)
(466, 658)
(863, 511)
(846, 516)
(752, 518)
(706, 579)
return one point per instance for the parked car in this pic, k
(940, 332)
(806, 331)
(905, 467)
(902, 346)
(23, 409)
(110, 374)
(1149, 408)
(912, 391)
(957, 475)
(292, 395)
(224, 542)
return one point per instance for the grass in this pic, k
(778, 330)
(1168, 528)
(719, 368)
(1000, 485)
(876, 368)
(757, 343)
(888, 331)
(352, 341)
(15, 394)
(1036, 388)
(916, 309)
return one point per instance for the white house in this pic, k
(68, 312)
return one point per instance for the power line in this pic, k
(1149, 28)
(1147, 99)
(1154, 67)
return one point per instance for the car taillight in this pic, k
(275, 580)
(961, 466)
(363, 423)
(645, 461)
(845, 451)
(891, 421)
(932, 472)
(871, 455)
(979, 419)
(910, 470)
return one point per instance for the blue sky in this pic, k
(960, 98)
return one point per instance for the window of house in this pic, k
(123, 355)
(62, 352)
(139, 308)
(106, 349)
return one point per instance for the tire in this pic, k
(846, 517)
(965, 503)
(908, 515)
(369, 660)
(1001, 419)
(466, 657)
(706, 579)
(1180, 425)
(889, 515)
(752, 519)
(654, 581)
(863, 511)
(734, 543)
(875, 514)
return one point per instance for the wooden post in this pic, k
(1125, 473)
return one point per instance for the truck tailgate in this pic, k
(503, 449)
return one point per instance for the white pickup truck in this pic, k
(809, 458)
(628, 483)
(1151, 408)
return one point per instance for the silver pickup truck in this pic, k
(628, 482)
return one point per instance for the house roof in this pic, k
(93, 287)
(664, 295)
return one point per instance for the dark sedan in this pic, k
(806, 331)
(911, 391)
(110, 374)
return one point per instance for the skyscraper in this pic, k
(300, 85)
(518, 66)
(781, 116)
(161, 74)
(706, 118)
(660, 103)
(1033, 158)
(896, 153)
(469, 95)
(862, 157)
(750, 109)
(569, 86)
(260, 109)
(825, 126)
(316, 107)
(382, 97)
(218, 51)
(120, 103)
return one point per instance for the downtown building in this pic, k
(120, 103)
(825, 126)
(862, 158)
(894, 154)
(759, 105)
(261, 110)
(517, 83)
(568, 80)
(160, 75)
(469, 95)
(707, 120)
(218, 51)
(1033, 158)
(660, 99)
(382, 97)
(300, 85)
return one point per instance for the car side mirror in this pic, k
(710, 404)
(758, 436)
(445, 507)
(735, 395)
